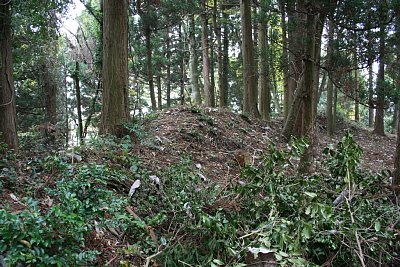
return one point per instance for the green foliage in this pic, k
(269, 210)
(344, 158)
(53, 232)
(44, 237)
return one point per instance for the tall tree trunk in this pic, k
(335, 100)
(379, 128)
(194, 76)
(329, 96)
(182, 70)
(78, 101)
(370, 79)
(296, 41)
(250, 89)
(8, 128)
(225, 62)
(168, 93)
(159, 89)
(274, 82)
(396, 174)
(309, 75)
(370, 95)
(264, 79)
(115, 108)
(208, 95)
(217, 33)
(320, 22)
(356, 90)
(149, 56)
(212, 70)
(284, 59)
(50, 93)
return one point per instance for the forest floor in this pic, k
(218, 142)
(213, 139)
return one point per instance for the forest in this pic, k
(200, 133)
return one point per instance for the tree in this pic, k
(249, 86)
(379, 127)
(396, 174)
(115, 110)
(193, 63)
(264, 80)
(209, 98)
(8, 128)
(329, 97)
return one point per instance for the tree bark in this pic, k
(264, 79)
(49, 89)
(284, 59)
(168, 93)
(308, 91)
(194, 76)
(208, 94)
(250, 89)
(329, 96)
(379, 127)
(356, 90)
(115, 108)
(225, 62)
(78, 101)
(8, 125)
(149, 56)
(159, 89)
(182, 71)
(396, 174)
(217, 33)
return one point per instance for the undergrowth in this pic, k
(340, 217)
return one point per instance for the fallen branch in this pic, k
(149, 230)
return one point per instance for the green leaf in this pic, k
(310, 194)
(218, 262)
(377, 226)
(307, 230)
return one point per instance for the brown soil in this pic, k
(213, 137)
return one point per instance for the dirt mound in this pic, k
(213, 138)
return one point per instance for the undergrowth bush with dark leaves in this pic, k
(272, 211)
(184, 220)
(53, 231)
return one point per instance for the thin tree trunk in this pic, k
(379, 128)
(284, 60)
(320, 22)
(212, 70)
(8, 125)
(208, 95)
(329, 96)
(274, 82)
(370, 96)
(217, 32)
(356, 90)
(150, 68)
(396, 174)
(264, 79)
(194, 76)
(169, 66)
(92, 109)
(182, 71)
(250, 89)
(78, 101)
(159, 89)
(225, 62)
(335, 100)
